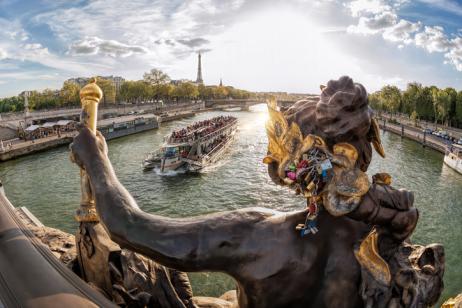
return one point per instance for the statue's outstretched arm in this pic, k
(211, 242)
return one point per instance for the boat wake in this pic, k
(169, 172)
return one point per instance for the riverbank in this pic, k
(111, 128)
(452, 131)
(413, 133)
(26, 147)
(172, 116)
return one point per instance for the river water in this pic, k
(48, 185)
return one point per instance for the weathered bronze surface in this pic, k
(272, 265)
(31, 275)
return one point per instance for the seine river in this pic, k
(48, 185)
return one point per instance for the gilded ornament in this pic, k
(369, 258)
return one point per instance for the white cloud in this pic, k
(454, 55)
(195, 42)
(31, 50)
(433, 39)
(377, 16)
(3, 54)
(359, 7)
(94, 45)
(401, 32)
(374, 24)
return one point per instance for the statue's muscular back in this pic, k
(285, 270)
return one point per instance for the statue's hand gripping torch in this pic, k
(90, 95)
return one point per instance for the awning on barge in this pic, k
(48, 124)
(32, 128)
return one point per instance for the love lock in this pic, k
(324, 169)
(310, 228)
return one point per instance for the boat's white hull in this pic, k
(454, 162)
(191, 152)
(205, 162)
(163, 164)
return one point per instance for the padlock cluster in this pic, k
(309, 176)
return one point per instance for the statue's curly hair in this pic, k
(342, 114)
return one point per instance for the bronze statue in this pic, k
(354, 251)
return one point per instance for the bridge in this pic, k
(243, 104)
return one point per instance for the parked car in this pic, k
(459, 141)
(444, 134)
(427, 131)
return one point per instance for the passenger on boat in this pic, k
(210, 126)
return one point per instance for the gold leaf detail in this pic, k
(369, 258)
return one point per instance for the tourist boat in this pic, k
(194, 147)
(453, 157)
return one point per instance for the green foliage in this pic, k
(375, 102)
(155, 86)
(156, 77)
(186, 90)
(390, 98)
(109, 90)
(70, 94)
(424, 104)
(12, 104)
(420, 103)
(458, 109)
(441, 104)
(47, 99)
(414, 117)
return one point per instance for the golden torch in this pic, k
(90, 95)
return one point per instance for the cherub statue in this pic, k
(348, 248)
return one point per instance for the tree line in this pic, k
(429, 103)
(155, 86)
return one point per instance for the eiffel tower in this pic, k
(199, 71)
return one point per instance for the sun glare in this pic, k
(277, 47)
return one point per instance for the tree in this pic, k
(414, 117)
(459, 109)
(410, 98)
(186, 90)
(135, 91)
(424, 105)
(375, 102)
(452, 105)
(441, 103)
(166, 91)
(156, 77)
(109, 90)
(70, 94)
(220, 92)
(390, 97)
(12, 104)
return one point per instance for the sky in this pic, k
(258, 45)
